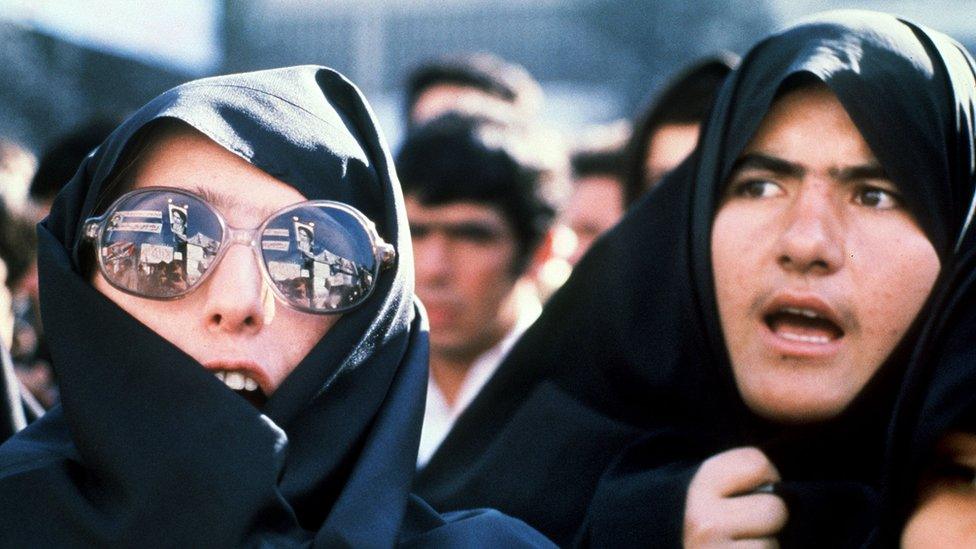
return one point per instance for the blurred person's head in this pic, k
(667, 129)
(17, 166)
(6, 309)
(17, 238)
(474, 84)
(18, 249)
(598, 200)
(61, 159)
(481, 201)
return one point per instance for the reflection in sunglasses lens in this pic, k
(319, 257)
(159, 244)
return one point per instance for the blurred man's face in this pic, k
(464, 255)
(444, 98)
(670, 144)
(595, 206)
(819, 268)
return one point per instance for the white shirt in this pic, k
(439, 416)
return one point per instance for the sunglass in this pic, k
(318, 256)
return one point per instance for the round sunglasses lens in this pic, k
(320, 258)
(159, 243)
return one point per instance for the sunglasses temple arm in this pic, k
(91, 226)
(386, 253)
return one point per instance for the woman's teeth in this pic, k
(801, 312)
(803, 325)
(237, 381)
(804, 338)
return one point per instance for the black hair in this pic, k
(60, 161)
(458, 158)
(586, 163)
(483, 71)
(686, 99)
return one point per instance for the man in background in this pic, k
(481, 200)
(597, 201)
(667, 130)
(473, 84)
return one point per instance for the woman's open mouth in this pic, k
(244, 385)
(244, 377)
(803, 325)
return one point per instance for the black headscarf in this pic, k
(937, 398)
(149, 449)
(634, 337)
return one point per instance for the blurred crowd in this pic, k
(28, 186)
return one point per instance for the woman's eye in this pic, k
(757, 188)
(874, 197)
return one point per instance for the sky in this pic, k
(180, 34)
(184, 34)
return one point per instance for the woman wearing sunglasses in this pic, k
(240, 236)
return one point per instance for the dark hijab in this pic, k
(633, 339)
(937, 398)
(148, 448)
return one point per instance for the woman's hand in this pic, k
(723, 506)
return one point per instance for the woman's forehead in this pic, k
(186, 159)
(809, 127)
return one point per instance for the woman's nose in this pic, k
(813, 239)
(237, 298)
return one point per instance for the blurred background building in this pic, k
(64, 61)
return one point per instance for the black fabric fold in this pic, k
(938, 397)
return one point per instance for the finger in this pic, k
(760, 543)
(754, 516)
(738, 471)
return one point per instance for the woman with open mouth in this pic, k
(744, 330)
(227, 292)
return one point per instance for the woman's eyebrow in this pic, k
(225, 201)
(869, 170)
(760, 161)
(765, 162)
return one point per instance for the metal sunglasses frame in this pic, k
(383, 252)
